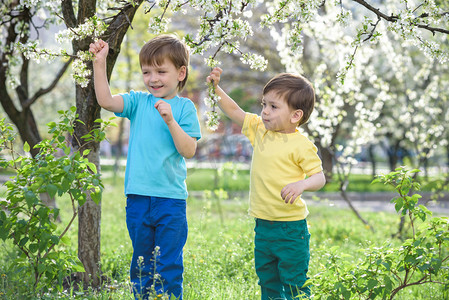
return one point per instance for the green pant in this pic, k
(282, 258)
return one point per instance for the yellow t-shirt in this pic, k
(278, 159)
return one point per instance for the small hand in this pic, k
(164, 110)
(214, 76)
(292, 191)
(100, 49)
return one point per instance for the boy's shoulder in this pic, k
(301, 137)
(148, 96)
(137, 94)
(184, 100)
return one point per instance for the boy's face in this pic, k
(162, 80)
(277, 115)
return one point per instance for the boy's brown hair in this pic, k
(155, 51)
(296, 90)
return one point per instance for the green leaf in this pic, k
(41, 268)
(82, 200)
(376, 180)
(66, 183)
(61, 139)
(51, 124)
(34, 247)
(394, 199)
(26, 147)
(399, 204)
(43, 245)
(92, 167)
(387, 265)
(23, 242)
(54, 239)
(415, 198)
(372, 283)
(43, 213)
(30, 198)
(67, 150)
(55, 213)
(96, 197)
(66, 240)
(51, 190)
(78, 267)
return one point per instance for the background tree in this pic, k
(358, 110)
(89, 111)
(18, 91)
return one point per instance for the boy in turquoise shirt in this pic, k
(164, 131)
(284, 165)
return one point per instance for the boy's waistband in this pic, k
(274, 223)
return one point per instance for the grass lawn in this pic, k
(200, 179)
(219, 251)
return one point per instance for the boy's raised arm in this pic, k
(226, 104)
(104, 97)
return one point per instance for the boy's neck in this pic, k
(287, 130)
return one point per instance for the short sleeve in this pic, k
(130, 102)
(189, 120)
(309, 160)
(250, 125)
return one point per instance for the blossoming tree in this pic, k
(21, 36)
(363, 108)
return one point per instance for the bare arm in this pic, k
(184, 143)
(226, 104)
(293, 190)
(104, 97)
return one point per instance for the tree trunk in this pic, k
(90, 213)
(119, 152)
(373, 160)
(328, 164)
(88, 111)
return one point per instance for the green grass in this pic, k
(210, 179)
(218, 255)
(199, 179)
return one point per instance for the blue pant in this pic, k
(152, 222)
(281, 256)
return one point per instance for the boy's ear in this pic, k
(182, 72)
(296, 116)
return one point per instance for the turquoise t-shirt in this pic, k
(154, 167)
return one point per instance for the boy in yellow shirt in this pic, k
(285, 163)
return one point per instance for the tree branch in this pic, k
(393, 18)
(43, 91)
(117, 23)
(68, 13)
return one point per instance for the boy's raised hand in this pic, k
(100, 49)
(226, 104)
(214, 76)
